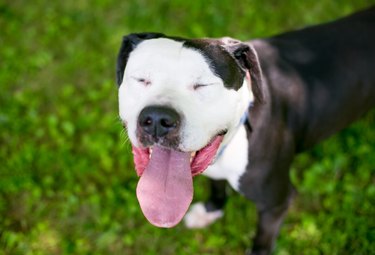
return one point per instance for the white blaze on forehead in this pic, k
(173, 70)
(166, 60)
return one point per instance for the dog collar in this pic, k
(243, 121)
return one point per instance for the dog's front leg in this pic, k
(268, 185)
(218, 195)
(202, 214)
(269, 222)
(270, 217)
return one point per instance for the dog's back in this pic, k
(325, 74)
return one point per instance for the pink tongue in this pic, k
(165, 189)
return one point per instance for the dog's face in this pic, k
(180, 100)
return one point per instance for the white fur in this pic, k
(198, 217)
(232, 163)
(173, 70)
(230, 166)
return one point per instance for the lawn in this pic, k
(67, 183)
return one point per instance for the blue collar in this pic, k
(243, 120)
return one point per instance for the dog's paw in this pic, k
(198, 217)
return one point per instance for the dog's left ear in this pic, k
(129, 43)
(247, 58)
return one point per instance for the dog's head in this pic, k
(181, 100)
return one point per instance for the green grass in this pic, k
(67, 184)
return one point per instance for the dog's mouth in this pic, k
(165, 188)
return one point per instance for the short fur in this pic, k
(308, 84)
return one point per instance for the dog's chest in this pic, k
(233, 161)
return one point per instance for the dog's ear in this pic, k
(247, 58)
(129, 42)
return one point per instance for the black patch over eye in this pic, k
(219, 60)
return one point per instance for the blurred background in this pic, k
(67, 183)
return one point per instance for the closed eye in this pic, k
(198, 86)
(143, 81)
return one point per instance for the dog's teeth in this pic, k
(192, 155)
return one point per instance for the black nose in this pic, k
(158, 121)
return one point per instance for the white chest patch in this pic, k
(232, 163)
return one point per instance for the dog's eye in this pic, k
(142, 81)
(198, 86)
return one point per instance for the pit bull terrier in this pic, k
(238, 112)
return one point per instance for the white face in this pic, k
(163, 72)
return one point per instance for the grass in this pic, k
(67, 184)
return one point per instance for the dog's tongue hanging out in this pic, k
(165, 189)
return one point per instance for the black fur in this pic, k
(312, 82)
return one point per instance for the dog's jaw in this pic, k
(199, 159)
(165, 189)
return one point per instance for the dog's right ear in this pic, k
(129, 43)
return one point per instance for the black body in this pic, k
(307, 84)
(316, 81)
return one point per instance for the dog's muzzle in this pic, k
(165, 188)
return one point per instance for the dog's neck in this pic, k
(245, 120)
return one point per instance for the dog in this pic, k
(238, 112)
